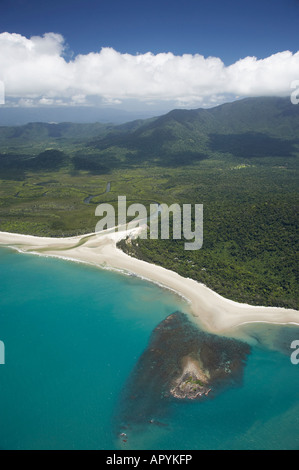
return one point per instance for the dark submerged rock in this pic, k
(181, 362)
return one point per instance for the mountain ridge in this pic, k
(251, 127)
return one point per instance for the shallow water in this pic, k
(73, 334)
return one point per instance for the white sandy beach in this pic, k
(214, 313)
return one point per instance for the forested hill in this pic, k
(40, 132)
(276, 117)
(253, 127)
(271, 115)
(248, 129)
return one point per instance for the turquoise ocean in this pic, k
(72, 335)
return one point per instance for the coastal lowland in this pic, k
(240, 160)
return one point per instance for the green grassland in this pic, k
(240, 162)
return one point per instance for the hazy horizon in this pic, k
(16, 116)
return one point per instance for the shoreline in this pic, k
(213, 312)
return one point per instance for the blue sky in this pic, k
(244, 38)
(229, 29)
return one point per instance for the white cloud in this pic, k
(35, 72)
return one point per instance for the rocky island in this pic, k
(181, 362)
(193, 382)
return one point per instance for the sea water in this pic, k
(72, 335)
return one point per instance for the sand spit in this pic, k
(214, 312)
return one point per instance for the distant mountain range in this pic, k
(253, 127)
(18, 116)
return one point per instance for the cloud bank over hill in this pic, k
(38, 72)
